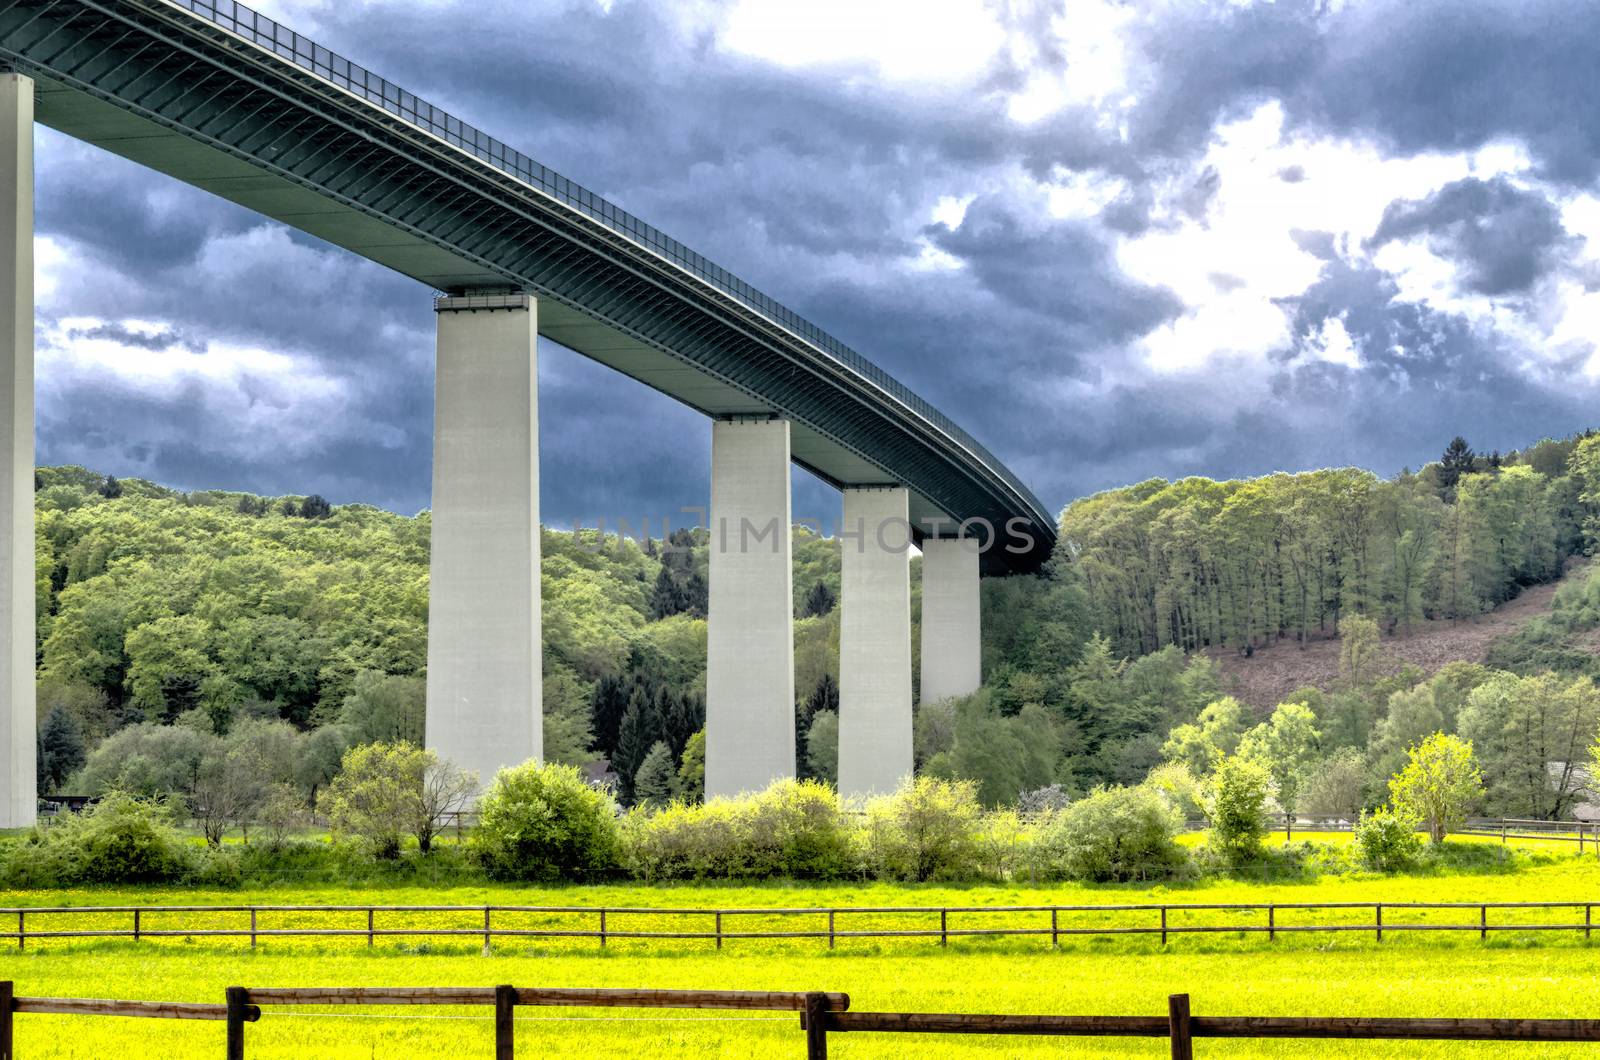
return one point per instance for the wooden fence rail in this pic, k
(814, 1006)
(11, 1005)
(821, 1013)
(719, 926)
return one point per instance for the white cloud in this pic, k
(915, 40)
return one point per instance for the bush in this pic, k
(794, 829)
(927, 830)
(1387, 841)
(544, 823)
(1235, 800)
(685, 842)
(121, 839)
(377, 795)
(1113, 835)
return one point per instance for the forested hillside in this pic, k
(171, 621)
(1198, 563)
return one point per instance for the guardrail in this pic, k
(821, 1013)
(606, 924)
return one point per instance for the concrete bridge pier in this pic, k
(18, 802)
(484, 646)
(952, 636)
(750, 613)
(874, 641)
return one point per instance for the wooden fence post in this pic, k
(486, 931)
(136, 925)
(1178, 1027)
(1272, 923)
(944, 927)
(7, 1044)
(1588, 920)
(816, 1021)
(22, 931)
(1163, 925)
(602, 929)
(238, 1002)
(830, 929)
(505, 1026)
(252, 927)
(1378, 910)
(1483, 922)
(719, 929)
(369, 927)
(1055, 931)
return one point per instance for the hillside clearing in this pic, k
(1280, 667)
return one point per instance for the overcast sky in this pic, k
(1113, 241)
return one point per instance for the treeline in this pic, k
(1198, 563)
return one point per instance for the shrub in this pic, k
(794, 829)
(926, 830)
(1387, 841)
(1113, 834)
(1235, 799)
(544, 823)
(377, 795)
(121, 839)
(685, 842)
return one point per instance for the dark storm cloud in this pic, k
(1418, 75)
(1505, 239)
(818, 186)
(1061, 270)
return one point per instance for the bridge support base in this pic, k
(18, 802)
(750, 622)
(952, 646)
(874, 642)
(484, 653)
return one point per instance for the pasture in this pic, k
(1422, 974)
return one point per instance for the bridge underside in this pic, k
(129, 136)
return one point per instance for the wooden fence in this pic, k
(821, 1014)
(720, 926)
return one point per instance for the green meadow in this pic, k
(1514, 973)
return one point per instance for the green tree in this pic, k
(692, 768)
(1211, 737)
(1287, 745)
(61, 750)
(377, 795)
(383, 708)
(1532, 735)
(1236, 799)
(822, 746)
(655, 783)
(1337, 785)
(1438, 784)
(1458, 460)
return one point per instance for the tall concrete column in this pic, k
(952, 646)
(750, 613)
(874, 642)
(18, 801)
(484, 650)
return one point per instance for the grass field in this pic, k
(1432, 974)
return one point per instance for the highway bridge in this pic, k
(223, 98)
